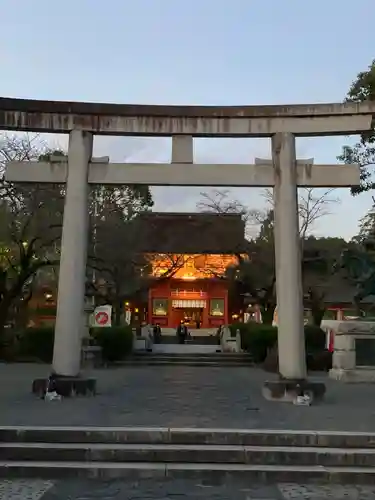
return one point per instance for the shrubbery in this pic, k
(36, 344)
(260, 340)
(116, 342)
(256, 338)
(315, 338)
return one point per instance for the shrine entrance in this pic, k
(191, 316)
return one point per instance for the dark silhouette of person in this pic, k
(157, 333)
(182, 333)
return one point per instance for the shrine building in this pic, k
(189, 254)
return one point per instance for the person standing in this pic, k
(182, 333)
(157, 334)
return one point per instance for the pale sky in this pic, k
(219, 52)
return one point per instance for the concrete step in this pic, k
(205, 454)
(197, 363)
(199, 355)
(188, 348)
(217, 473)
(186, 436)
(169, 453)
(189, 359)
(201, 340)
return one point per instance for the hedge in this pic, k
(116, 342)
(259, 339)
(256, 338)
(36, 344)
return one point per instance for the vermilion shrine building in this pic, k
(189, 255)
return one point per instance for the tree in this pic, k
(319, 257)
(255, 276)
(356, 263)
(117, 268)
(312, 206)
(30, 228)
(366, 227)
(219, 201)
(363, 152)
(122, 271)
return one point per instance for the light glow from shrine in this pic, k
(191, 267)
(188, 277)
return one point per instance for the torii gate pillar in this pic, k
(71, 292)
(72, 274)
(291, 340)
(288, 259)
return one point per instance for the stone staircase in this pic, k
(187, 358)
(204, 454)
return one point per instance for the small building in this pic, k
(189, 254)
(339, 301)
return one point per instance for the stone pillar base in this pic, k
(354, 375)
(66, 386)
(285, 390)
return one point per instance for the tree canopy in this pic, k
(31, 218)
(362, 152)
(30, 228)
(117, 267)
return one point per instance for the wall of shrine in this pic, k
(201, 304)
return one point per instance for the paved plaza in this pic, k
(182, 396)
(175, 490)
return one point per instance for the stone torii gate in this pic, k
(182, 123)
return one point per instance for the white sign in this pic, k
(102, 316)
(200, 304)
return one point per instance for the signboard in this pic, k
(102, 316)
(189, 304)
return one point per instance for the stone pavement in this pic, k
(179, 396)
(182, 396)
(174, 490)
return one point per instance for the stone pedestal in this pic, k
(353, 359)
(286, 390)
(66, 386)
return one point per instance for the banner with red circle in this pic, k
(102, 316)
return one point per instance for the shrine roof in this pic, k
(339, 290)
(191, 233)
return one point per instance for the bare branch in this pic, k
(312, 206)
(220, 202)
